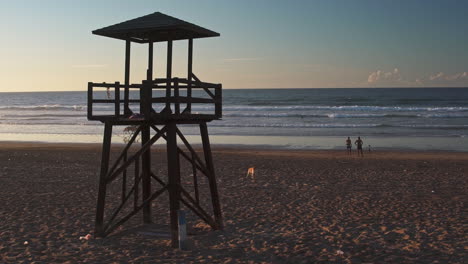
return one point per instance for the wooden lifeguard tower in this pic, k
(154, 108)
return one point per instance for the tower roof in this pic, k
(155, 27)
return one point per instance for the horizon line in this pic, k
(277, 88)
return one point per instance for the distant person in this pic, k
(359, 144)
(348, 145)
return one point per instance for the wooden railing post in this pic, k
(189, 75)
(145, 99)
(117, 99)
(218, 101)
(90, 100)
(127, 110)
(168, 73)
(176, 96)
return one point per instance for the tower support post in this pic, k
(106, 145)
(146, 173)
(174, 180)
(211, 176)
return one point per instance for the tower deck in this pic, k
(158, 102)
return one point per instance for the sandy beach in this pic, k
(302, 207)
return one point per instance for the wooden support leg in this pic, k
(211, 177)
(98, 231)
(124, 179)
(174, 181)
(195, 179)
(135, 180)
(146, 170)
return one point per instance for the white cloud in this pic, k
(458, 76)
(384, 77)
(394, 79)
(438, 76)
(444, 78)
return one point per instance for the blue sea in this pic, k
(386, 118)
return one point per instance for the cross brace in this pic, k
(141, 161)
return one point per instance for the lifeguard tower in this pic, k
(154, 109)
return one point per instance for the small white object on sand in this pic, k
(26, 243)
(87, 237)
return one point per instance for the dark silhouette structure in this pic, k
(154, 108)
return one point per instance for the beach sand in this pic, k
(303, 207)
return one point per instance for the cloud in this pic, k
(444, 77)
(395, 79)
(89, 66)
(384, 77)
(437, 76)
(458, 76)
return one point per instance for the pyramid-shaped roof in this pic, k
(155, 27)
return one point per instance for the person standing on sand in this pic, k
(359, 144)
(348, 145)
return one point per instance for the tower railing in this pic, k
(158, 99)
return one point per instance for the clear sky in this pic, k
(47, 45)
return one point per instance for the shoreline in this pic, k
(252, 150)
(332, 143)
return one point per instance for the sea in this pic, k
(385, 118)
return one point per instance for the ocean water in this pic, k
(419, 118)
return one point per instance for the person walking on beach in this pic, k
(359, 144)
(348, 145)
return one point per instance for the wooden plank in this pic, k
(176, 97)
(187, 157)
(205, 86)
(124, 219)
(127, 110)
(169, 72)
(103, 85)
(195, 180)
(205, 170)
(104, 101)
(182, 99)
(199, 210)
(147, 145)
(158, 179)
(218, 103)
(123, 155)
(90, 100)
(211, 178)
(149, 74)
(145, 100)
(146, 172)
(195, 210)
(189, 73)
(106, 145)
(124, 179)
(136, 179)
(117, 99)
(124, 200)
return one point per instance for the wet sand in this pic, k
(302, 207)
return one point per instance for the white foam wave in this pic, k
(340, 108)
(297, 125)
(45, 107)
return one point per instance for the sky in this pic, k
(47, 45)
